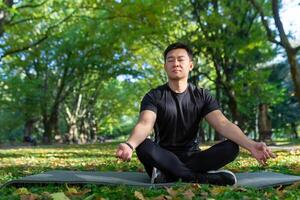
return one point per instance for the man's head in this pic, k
(178, 61)
(178, 45)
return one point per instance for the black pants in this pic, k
(185, 165)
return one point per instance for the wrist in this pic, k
(129, 145)
(250, 145)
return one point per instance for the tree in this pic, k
(284, 41)
(230, 38)
(56, 45)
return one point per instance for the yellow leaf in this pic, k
(22, 190)
(196, 186)
(217, 190)
(139, 195)
(280, 194)
(72, 190)
(75, 192)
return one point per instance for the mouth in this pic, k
(176, 70)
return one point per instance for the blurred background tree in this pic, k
(75, 71)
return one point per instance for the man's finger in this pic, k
(266, 154)
(125, 155)
(260, 161)
(128, 158)
(119, 153)
(263, 162)
(271, 153)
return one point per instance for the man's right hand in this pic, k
(124, 152)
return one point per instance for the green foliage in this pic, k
(110, 53)
(119, 106)
(257, 90)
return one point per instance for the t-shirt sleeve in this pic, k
(210, 104)
(149, 103)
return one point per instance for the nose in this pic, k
(176, 62)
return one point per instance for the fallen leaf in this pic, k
(59, 196)
(217, 190)
(171, 192)
(71, 189)
(46, 196)
(29, 197)
(196, 186)
(164, 197)
(139, 195)
(269, 195)
(280, 194)
(188, 194)
(240, 189)
(279, 188)
(22, 190)
(77, 193)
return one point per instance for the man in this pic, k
(175, 110)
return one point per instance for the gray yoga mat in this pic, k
(255, 179)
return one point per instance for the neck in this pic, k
(178, 86)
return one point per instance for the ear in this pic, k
(191, 65)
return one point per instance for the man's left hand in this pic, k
(261, 152)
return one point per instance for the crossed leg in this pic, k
(185, 165)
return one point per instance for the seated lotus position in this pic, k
(174, 110)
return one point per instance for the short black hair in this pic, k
(178, 45)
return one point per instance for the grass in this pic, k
(19, 162)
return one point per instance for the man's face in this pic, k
(178, 64)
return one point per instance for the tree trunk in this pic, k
(264, 124)
(295, 72)
(50, 125)
(218, 136)
(294, 130)
(233, 106)
(28, 127)
(47, 135)
(75, 134)
(93, 129)
(28, 130)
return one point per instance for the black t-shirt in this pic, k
(178, 115)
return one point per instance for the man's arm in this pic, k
(139, 133)
(221, 124)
